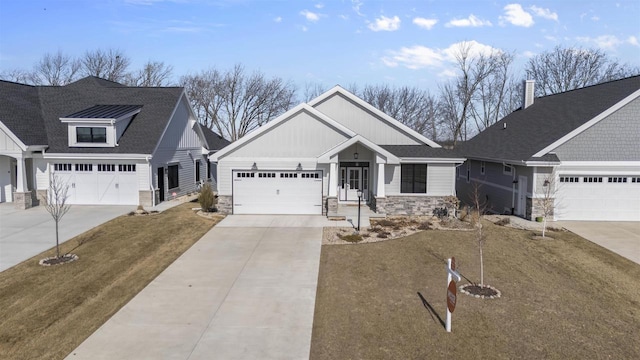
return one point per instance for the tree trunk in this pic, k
(57, 242)
(544, 225)
(481, 267)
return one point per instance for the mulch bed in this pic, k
(66, 258)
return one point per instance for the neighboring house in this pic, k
(583, 143)
(110, 143)
(318, 155)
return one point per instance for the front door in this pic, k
(522, 195)
(161, 184)
(354, 182)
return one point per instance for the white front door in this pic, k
(522, 195)
(354, 182)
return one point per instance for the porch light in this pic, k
(355, 154)
(299, 167)
(254, 167)
(546, 183)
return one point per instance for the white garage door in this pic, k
(277, 192)
(608, 198)
(99, 184)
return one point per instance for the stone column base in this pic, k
(22, 200)
(224, 204)
(145, 198)
(331, 204)
(378, 204)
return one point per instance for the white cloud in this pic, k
(595, 18)
(384, 23)
(310, 16)
(418, 56)
(633, 41)
(528, 54)
(515, 15)
(278, 19)
(425, 23)
(544, 13)
(344, 17)
(608, 42)
(304, 28)
(356, 5)
(319, 5)
(471, 21)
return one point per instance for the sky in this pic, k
(399, 43)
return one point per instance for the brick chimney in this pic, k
(529, 93)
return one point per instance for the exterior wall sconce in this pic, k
(299, 167)
(254, 167)
(355, 154)
(546, 183)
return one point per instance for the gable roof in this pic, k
(27, 110)
(214, 141)
(530, 134)
(372, 109)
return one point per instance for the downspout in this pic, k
(153, 190)
(513, 188)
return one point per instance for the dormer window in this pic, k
(99, 125)
(91, 135)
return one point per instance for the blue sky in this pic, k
(326, 42)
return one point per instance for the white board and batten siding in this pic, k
(7, 145)
(179, 145)
(440, 180)
(363, 122)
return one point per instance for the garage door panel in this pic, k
(609, 201)
(277, 192)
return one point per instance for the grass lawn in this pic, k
(565, 298)
(46, 312)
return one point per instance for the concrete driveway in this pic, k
(621, 237)
(246, 290)
(26, 233)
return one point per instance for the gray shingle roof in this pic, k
(546, 121)
(26, 110)
(421, 151)
(215, 141)
(104, 112)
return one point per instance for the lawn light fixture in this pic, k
(359, 198)
(299, 167)
(254, 167)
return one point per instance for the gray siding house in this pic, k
(110, 143)
(581, 147)
(324, 154)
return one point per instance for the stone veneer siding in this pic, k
(534, 209)
(408, 205)
(145, 197)
(330, 205)
(225, 205)
(22, 200)
(42, 196)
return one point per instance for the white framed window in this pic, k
(482, 167)
(172, 176)
(91, 134)
(62, 167)
(197, 168)
(84, 167)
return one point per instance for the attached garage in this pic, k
(277, 192)
(598, 198)
(99, 184)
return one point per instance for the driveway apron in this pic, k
(246, 290)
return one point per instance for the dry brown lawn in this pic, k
(565, 298)
(46, 312)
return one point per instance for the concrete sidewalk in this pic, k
(246, 290)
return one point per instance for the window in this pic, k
(84, 167)
(62, 167)
(106, 167)
(208, 170)
(413, 178)
(197, 170)
(468, 171)
(592, 179)
(91, 135)
(172, 174)
(310, 176)
(635, 180)
(507, 169)
(569, 179)
(246, 174)
(617, 180)
(127, 167)
(482, 165)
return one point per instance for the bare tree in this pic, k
(111, 64)
(17, 75)
(235, 103)
(563, 69)
(457, 96)
(153, 73)
(479, 208)
(546, 203)
(56, 204)
(413, 107)
(312, 91)
(55, 69)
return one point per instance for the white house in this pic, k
(110, 143)
(320, 154)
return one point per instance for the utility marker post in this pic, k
(452, 277)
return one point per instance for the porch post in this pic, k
(333, 179)
(22, 196)
(21, 176)
(380, 187)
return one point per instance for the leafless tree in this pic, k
(548, 199)
(56, 204)
(17, 75)
(312, 91)
(55, 69)
(479, 208)
(234, 103)
(153, 73)
(413, 107)
(568, 68)
(457, 96)
(111, 64)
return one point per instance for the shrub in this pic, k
(425, 226)
(206, 198)
(352, 238)
(441, 213)
(385, 222)
(503, 221)
(383, 235)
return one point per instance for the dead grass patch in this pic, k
(47, 312)
(566, 298)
